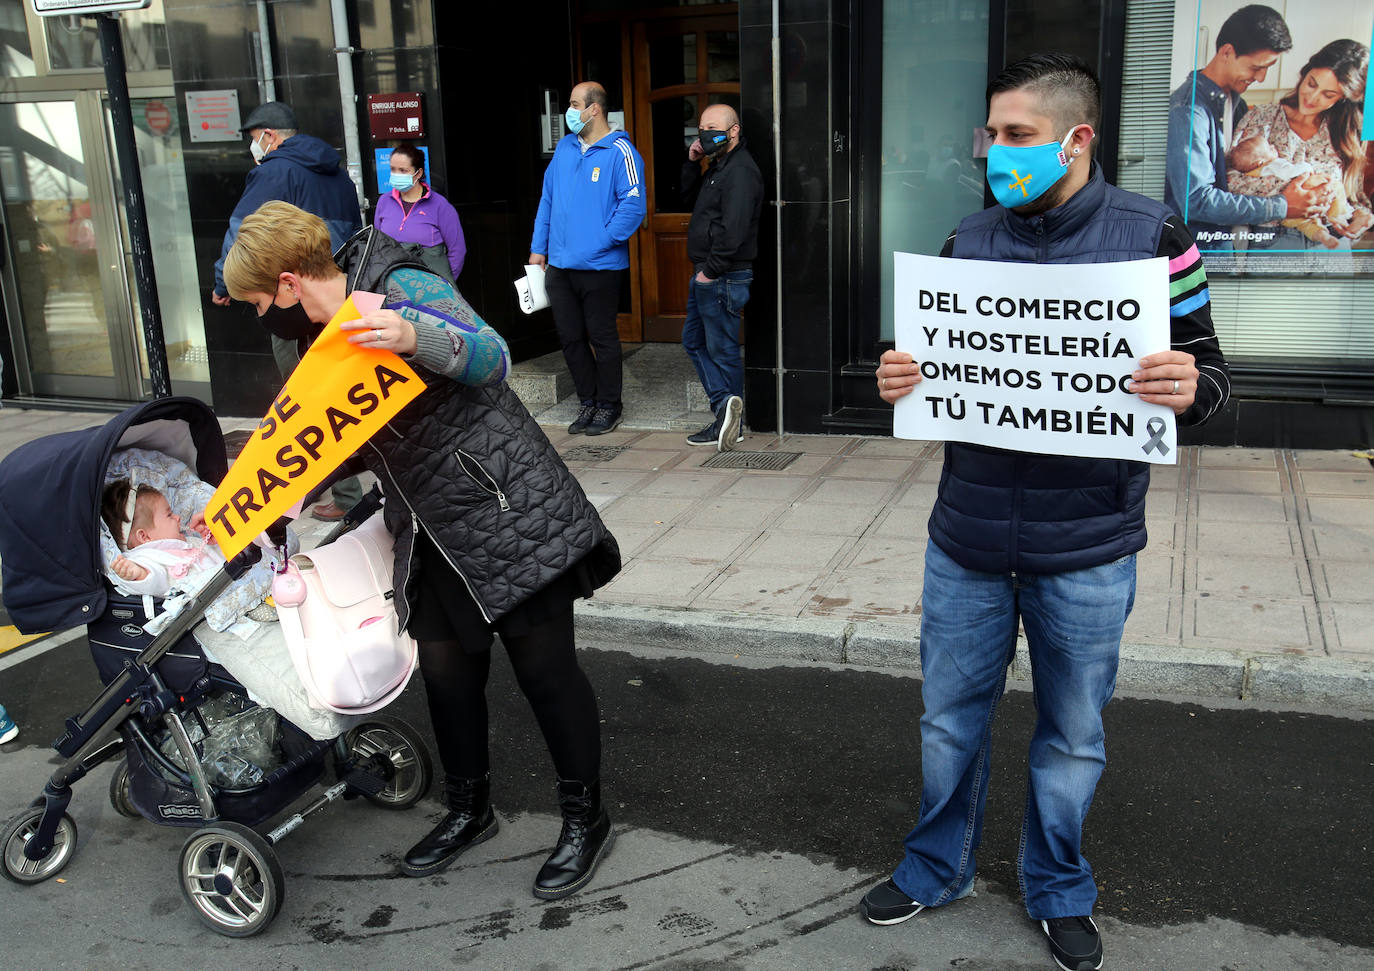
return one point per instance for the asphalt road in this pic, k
(1221, 837)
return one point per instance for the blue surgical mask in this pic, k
(1018, 175)
(574, 119)
(402, 182)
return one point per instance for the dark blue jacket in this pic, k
(304, 171)
(1000, 511)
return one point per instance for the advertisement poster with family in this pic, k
(1268, 152)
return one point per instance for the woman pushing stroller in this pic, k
(493, 535)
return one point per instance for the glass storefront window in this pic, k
(722, 55)
(53, 233)
(74, 42)
(157, 137)
(935, 70)
(675, 127)
(16, 51)
(673, 60)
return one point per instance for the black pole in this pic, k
(112, 50)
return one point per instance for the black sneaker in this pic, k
(604, 419)
(583, 419)
(731, 433)
(1074, 942)
(888, 904)
(709, 435)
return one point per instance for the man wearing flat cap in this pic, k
(306, 172)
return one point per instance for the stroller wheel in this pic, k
(232, 880)
(120, 799)
(411, 770)
(19, 867)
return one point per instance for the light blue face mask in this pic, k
(574, 120)
(402, 183)
(1018, 175)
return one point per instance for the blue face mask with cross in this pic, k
(1020, 174)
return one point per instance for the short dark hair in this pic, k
(414, 155)
(595, 95)
(1066, 85)
(1255, 28)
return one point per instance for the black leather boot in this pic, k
(585, 838)
(470, 821)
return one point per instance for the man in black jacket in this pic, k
(722, 241)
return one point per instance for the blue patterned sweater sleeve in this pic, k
(451, 339)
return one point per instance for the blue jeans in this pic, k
(1073, 626)
(710, 334)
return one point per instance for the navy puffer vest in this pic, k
(1001, 511)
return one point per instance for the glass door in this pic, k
(58, 206)
(682, 65)
(69, 279)
(157, 139)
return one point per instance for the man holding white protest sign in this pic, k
(1029, 531)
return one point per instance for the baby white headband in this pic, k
(129, 505)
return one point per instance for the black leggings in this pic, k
(545, 662)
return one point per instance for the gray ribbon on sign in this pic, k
(1156, 427)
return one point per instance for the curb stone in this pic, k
(1201, 672)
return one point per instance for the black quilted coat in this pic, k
(472, 468)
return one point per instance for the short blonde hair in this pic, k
(278, 238)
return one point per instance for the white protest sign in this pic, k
(1034, 357)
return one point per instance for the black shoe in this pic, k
(604, 419)
(470, 821)
(583, 419)
(709, 435)
(585, 838)
(731, 432)
(1074, 942)
(888, 904)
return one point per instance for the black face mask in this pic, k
(713, 142)
(289, 323)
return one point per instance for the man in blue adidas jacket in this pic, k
(304, 171)
(1044, 541)
(593, 201)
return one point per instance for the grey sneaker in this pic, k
(604, 419)
(583, 419)
(731, 432)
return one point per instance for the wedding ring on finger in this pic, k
(1175, 391)
(377, 338)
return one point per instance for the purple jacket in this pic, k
(432, 221)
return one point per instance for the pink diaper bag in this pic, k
(338, 615)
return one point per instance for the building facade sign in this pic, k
(1267, 161)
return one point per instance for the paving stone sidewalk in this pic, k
(1256, 581)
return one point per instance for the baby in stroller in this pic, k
(147, 554)
(158, 553)
(176, 658)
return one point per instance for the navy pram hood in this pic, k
(50, 493)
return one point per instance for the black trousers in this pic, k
(455, 659)
(545, 662)
(584, 304)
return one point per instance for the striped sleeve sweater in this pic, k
(1190, 319)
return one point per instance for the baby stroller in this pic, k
(152, 714)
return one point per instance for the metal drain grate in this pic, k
(767, 461)
(593, 453)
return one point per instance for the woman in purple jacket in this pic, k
(414, 214)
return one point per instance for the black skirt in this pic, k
(444, 610)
